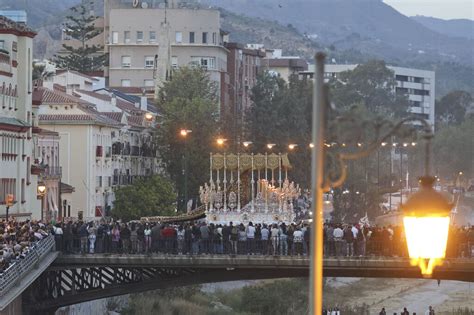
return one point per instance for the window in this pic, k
(126, 82)
(23, 200)
(98, 181)
(114, 37)
(152, 36)
(126, 61)
(214, 38)
(126, 37)
(148, 83)
(149, 61)
(204, 37)
(179, 37)
(174, 62)
(2, 44)
(191, 37)
(139, 36)
(204, 62)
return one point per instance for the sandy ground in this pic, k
(394, 294)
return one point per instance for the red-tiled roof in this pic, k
(117, 116)
(8, 26)
(132, 89)
(123, 105)
(59, 87)
(135, 120)
(47, 96)
(78, 73)
(89, 115)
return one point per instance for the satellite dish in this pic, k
(144, 5)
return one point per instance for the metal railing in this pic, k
(20, 267)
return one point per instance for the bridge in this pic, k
(71, 279)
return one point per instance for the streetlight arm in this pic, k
(337, 173)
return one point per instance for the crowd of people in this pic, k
(361, 240)
(17, 239)
(194, 238)
(187, 238)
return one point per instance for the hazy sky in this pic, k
(444, 9)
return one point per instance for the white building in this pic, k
(84, 151)
(105, 142)
(18, 165)
(418, 85)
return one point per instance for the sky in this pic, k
(443, 9)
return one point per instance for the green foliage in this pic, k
(80, 27)
(453, 150)
(371, 85)
(189, 101)
(146, 197)
(451, 108)
(279, 115)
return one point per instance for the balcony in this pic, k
(52, 172)
(99, 151)
(135, 151)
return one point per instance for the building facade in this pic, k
(418, 85)
(18, 165)
(105, 142)
(243, 65)
(134, 31)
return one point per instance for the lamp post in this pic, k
(184, 134)
(41, 191)
(426, 213)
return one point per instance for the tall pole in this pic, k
(401, 174)
(317, 163)
(185, 174)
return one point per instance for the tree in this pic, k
(372, 85)
(453, 150)
(280, 114)
(146, 197)
(189, 101)
(82, 55)
(452, 108)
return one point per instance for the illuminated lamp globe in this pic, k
(41, 189)
(149, 117)
(426, 216)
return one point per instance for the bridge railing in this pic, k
(22, 266)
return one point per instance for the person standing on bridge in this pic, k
(275, 232)
(250, 239)
(92, 237)
(338, 241)
(147, 236)
(234, 237)
(83, 234)
(264, 232)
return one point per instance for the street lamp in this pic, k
(184, 134)
(270, 145)
(149, 117)
(40, 192)
(247, 143)
(292, 146)
(426, 213)
(221, 141)
(426, 217)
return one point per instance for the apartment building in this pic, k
(18, 165)
(134, 30)
(284, 66)
(418, 85)
(105, 142)
(243, 66)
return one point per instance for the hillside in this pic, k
(302, 27)
(455, 28)
(369, 26)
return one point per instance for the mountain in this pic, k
(455, 28)
(369, 26)
(39, 11)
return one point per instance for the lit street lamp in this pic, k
(149, 117)
(426, 217)
(184, 134)
(40, 193)
(270, 145)
(426, 213)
